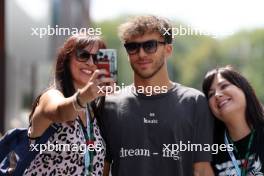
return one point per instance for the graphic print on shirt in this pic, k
(150, 118)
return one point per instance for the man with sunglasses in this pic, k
(143, 133)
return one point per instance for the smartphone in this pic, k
(107, 59)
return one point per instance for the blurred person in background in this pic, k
(73, 102)
(239, 121)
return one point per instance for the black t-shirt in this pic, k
(223, 165)
(142, 132)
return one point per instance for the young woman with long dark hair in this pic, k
(239, 121)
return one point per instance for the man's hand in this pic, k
(203, 169)
(106, 168)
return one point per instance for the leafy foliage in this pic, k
(195, 55)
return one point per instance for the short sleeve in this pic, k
(203, 130)
(106, 115)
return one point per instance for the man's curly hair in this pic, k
(141, 25)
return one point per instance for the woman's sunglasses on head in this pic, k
(149, 46)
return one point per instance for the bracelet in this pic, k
(75, 103)
(78, 99)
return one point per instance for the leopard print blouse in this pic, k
(67, 162)
(98, 161)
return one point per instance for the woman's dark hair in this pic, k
(254, 109)
(63, 78)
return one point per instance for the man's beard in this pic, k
(150, 75)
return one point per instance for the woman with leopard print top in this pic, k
(72, 102)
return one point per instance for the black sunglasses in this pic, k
(149, 46)
(84, 56)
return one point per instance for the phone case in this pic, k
(107, 59)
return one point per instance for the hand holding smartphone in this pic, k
(107, 59)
